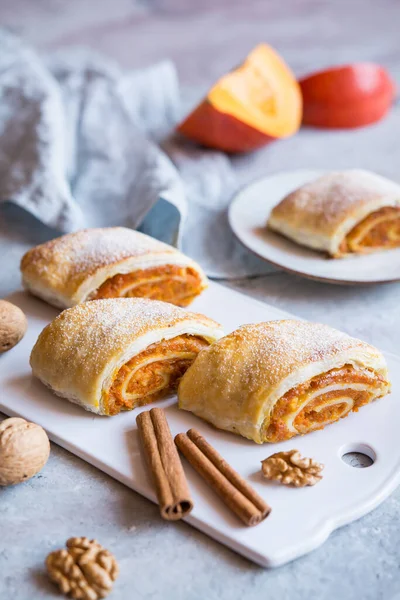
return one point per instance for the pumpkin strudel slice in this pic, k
(342, 213)
(110, 262)
(116, 354)
(271, 381)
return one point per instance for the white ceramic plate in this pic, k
(248, 215)
(301, 519)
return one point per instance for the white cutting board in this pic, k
(301, 519)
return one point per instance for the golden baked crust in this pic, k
(321, 214)
(271, 381)
(81, 355)
(72, 268)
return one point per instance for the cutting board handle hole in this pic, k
(357, 455)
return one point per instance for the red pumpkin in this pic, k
(347, 96)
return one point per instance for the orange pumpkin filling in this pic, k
(170, 283)
(153, 374)
(325, 408)
(378, 231)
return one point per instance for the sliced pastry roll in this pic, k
(111, 262)
(116, 354)
(271, 381)
(342, 213)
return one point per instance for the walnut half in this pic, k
(291, 469)
(84, 571)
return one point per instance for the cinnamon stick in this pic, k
(165, 465)
(235, 492)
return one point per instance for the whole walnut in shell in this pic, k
(24, 450)
(13, 325)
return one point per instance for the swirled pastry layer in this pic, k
(341, 213)
(272, 381)
(379, 231)
(153, 373)
(111, 262)
(115, 354)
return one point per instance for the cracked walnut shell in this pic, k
(290, 468)
(24, 450)
(84, 571)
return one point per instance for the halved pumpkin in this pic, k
(347, 96)
(257, 103)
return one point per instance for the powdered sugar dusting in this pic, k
(325, 202)
(89, 249)
(288, 342)
(100, 326)
(268, 352)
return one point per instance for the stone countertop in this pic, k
(174, 561)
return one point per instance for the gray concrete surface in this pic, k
(173, 561)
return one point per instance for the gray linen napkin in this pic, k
(84, 143)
